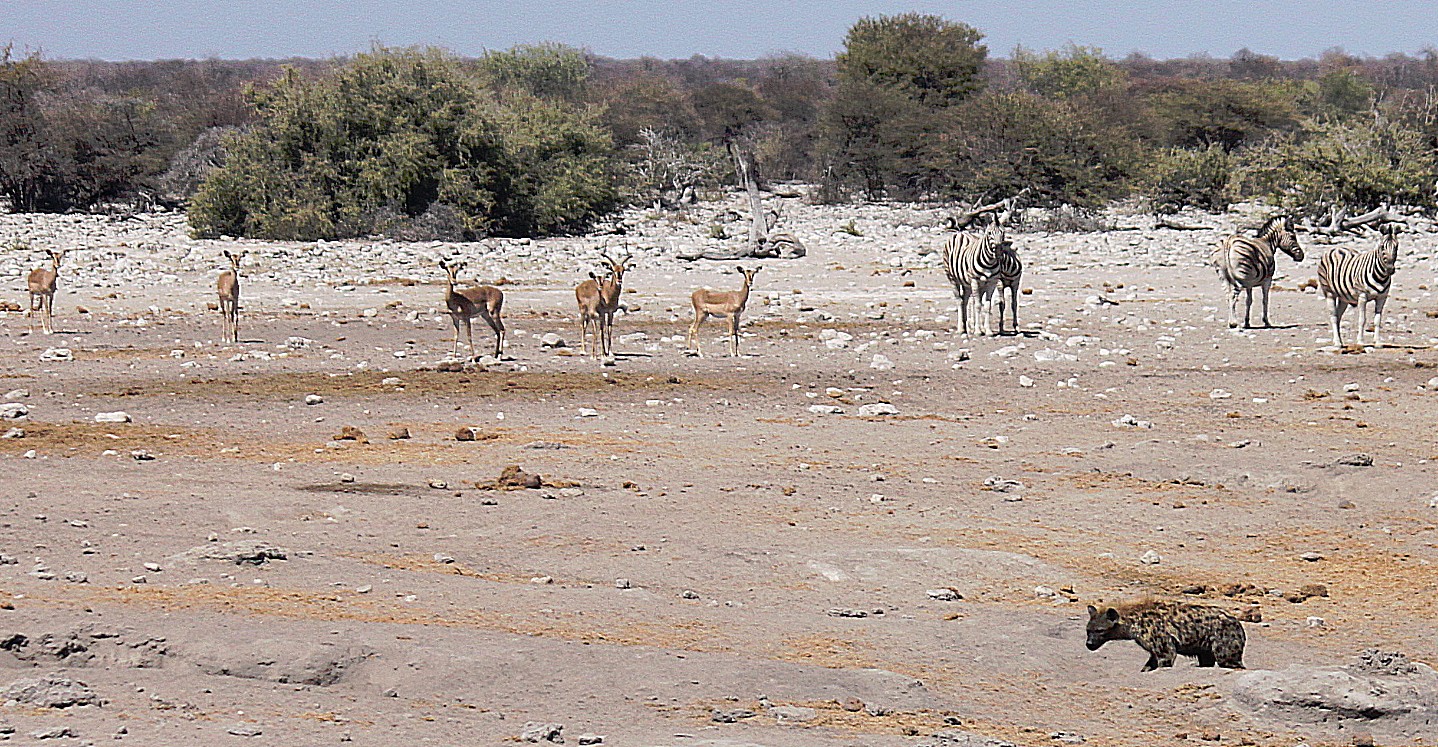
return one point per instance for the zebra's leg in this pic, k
(1233, 291)
(1267, 284)
(1378, 315)
(1339, 307)
(1014, 305)
(1247, 308)
(1362, 317)
(964, 312)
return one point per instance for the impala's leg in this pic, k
(49, 313)
(498, 327)
(235, 320)
(1378, 315)
(699, 318)
(469, 335)
(608, 333)
(454, 351)
(734, 334)
(1266, 285)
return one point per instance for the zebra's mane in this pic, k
(1271, 226)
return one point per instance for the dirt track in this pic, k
(414, 608)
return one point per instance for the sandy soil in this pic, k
(412, 607)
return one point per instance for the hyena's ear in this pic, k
(1092, 611)
(1111, 614)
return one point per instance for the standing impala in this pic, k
(228, 287)
(598, 299)
(728, 304)
(42, 283)
(484, 301)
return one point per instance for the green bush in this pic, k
(1355, 165)
(383, 140)
(926, 58)
(1182, 177)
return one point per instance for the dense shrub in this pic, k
(1189, 177)
(383, 140)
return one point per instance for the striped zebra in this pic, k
(1009, 272)
(975, 264)
(1245, 263)
(1349, 277)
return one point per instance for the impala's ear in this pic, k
(226, 253)
(740, 269)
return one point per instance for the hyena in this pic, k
(1165, 629)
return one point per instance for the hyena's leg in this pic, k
(1205, 659)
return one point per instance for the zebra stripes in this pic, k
(976, 264)
(1245, 263)
(1349, 277)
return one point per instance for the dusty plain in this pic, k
(778, 560)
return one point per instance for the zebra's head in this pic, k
(1388, 245)
(1278, 231)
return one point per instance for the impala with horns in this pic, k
(598, 300)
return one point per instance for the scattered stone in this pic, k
(1253, 614)
(852, 705)
(690, 594)
(589, 739)
(14, 433)
(15, 394)
(1302, 694)
(551, 340)
(1025, 382)
(351, 433)
(1306, 592)
(398, 434)
(470, 433)
(13, 411)
(243, 552)
(1002, 485)
(877, 409)
(731, 716)
(1354, 460)
(946, 594)
(1129, 421)
(244, 730)
(513, 478)
(1150, 558)
(544, 445)
(1391, 663)
(119, 416)
(140, 455)
(313, 399)
(793, 714)
(55, 732)
(826, 409)
(844, 612)
(539, 732)
(881, 362)
(57, 355)
(1067, 737)
(50, 691)
(588, 412)
(622, 583)
(1312, 557)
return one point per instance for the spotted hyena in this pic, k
(1166, 629)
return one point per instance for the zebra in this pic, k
(1245, 263)
(975, 264)
(1008, 273)
(1348, 277)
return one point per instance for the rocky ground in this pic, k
(865, 531)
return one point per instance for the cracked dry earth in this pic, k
(257, 582)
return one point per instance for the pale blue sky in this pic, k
(159, 29)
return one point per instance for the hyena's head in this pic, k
(1100, 626)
